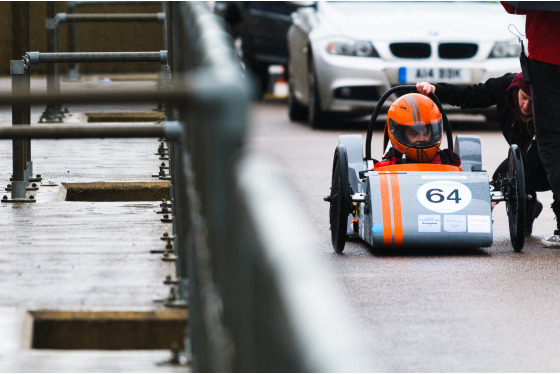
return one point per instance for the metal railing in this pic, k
(110, 17)
(36, 58)
(258, 299)
(72, 8)
(55, 114)
(20, 70)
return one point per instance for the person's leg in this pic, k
(535, 180)
(554, 240)
(545, 92)
(533, 209)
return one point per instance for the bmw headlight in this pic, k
(347, 47)
(505, 49)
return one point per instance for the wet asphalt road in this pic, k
(482, 310)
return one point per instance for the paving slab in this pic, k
(87, 256)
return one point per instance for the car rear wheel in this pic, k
(516, 198)
(339, 199)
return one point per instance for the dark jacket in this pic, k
(499, 92)
(495, 91)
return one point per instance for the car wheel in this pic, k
(242, 54)
(260, 71)
(316, 117)
(339, 199)
(297, 111)
(239, 46)
(516, 198)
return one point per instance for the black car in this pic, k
(259, 31)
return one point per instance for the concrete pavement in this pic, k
(82, 265)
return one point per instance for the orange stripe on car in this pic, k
(397, 212)
(385, 209)
(392, 225)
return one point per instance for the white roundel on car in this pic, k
(444, 196)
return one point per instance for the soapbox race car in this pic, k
(421, 205)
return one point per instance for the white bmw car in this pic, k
(344, 55)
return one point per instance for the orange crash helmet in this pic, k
(414, 125)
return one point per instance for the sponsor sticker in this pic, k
(478, 223)
(429, 223)
(455, 223)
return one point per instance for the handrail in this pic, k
(169, 130)
(239, 276)
(36, 58)
(72, 7)
(111, 17)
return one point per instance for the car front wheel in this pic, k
(297, 111)
(243, 54)
(316, 117)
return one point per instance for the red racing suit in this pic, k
(445, 156)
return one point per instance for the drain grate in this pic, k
(126, 117)
(121, 330)
(115, 191)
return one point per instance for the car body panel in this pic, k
(441, 207)
(424, 208)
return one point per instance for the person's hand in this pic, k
(425, 88)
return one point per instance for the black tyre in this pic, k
(297, 111)
(516, 198)
(339, 199)
(316, 117)
(244, 54)
(260, 71)
(238, 34)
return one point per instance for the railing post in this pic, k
(52, 113)
(20, 85)
(73, 73)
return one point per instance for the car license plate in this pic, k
(450, 75)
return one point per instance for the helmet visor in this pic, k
(417, 136)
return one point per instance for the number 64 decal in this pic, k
(444, 196)
(435, 195)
